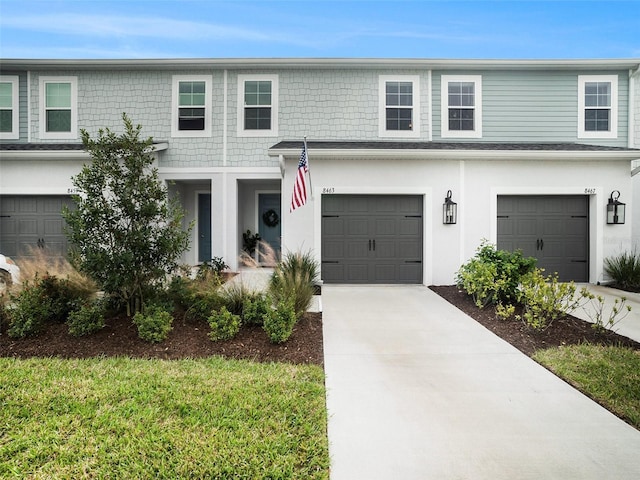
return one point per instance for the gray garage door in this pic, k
(28, 223)
(372, 238)
(552, 228)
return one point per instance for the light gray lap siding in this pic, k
(534, 106)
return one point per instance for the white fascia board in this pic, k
(221, 63)
(462, 154)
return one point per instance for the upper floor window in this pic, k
(59, 107)
(191, 106)
(9, 121)
(597, 106)
(257, 105)
(399, 106)
(461, 106)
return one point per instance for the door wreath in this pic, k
(270, 218)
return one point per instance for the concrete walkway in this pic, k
(418, 390)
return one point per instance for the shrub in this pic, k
(31, 309)
(154, 324)
(545, 299)
(594, 308)
(294, 279)
(88, 319)
(224, 325)
(280, 322)
(256, 310)
(493, 276)
(41, 300)
(624, 269)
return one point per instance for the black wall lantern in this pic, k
(449, 210)
(615, 209)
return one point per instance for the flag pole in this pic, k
(308, 166)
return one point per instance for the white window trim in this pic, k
(14, 134)
(273, 132)
(71, 135)
(444, 107)
(382, 106)
(208, 115)
(613, 125)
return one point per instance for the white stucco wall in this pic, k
(475, 186)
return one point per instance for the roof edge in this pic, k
(224, 63)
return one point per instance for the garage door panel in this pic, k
(378, 233)
(28, 227)
(333, 225)
(410, 226)
(410, 272)
(357, 273)
(384, 226)
(554, 226)
(357, 249)
(385, 250)
(357, 205)
(332, 272)
(29, 222)
(358, 226)
(526, 226)
(554, 229)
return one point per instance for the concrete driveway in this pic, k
(416, 389)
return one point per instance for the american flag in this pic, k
(300, 187)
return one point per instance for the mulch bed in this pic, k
(186, 340)
(568, 330)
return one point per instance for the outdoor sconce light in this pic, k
(615, 209)
(450, 210)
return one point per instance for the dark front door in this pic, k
(269, 223)
(552, 228)
(372, 238)
(204, 227)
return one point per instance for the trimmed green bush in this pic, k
(224, 325)
(154, 324)
(280, 322)
(88, 319)
(624, 269)
(493, 276)
(256, 310)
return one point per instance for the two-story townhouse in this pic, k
(530, 152)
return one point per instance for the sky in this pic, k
(126, 29)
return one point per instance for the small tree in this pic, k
(126, 233)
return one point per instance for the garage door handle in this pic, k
(369, 245)
(541, 244)
(578, 261)
(537, 244)
(374, 245)
(413, 261)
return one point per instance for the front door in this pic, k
(204, 227)
(269, 222)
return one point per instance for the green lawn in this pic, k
(123, 418)
(609, 375)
